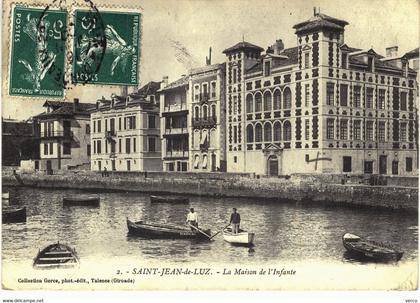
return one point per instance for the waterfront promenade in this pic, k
(334, 190)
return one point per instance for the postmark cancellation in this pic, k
(54, 47)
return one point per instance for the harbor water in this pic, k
(285, 232)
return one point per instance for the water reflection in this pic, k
(284, 231)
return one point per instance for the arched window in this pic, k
(277, 131)
(277, 100)
(249, 133)
(196, 161)
(249, 103)
(258, 102)
(213, 138)
(196, 139)
(213, 110)
(267, 132)
(267, 101)
(258, 133)
(196, 112)
(287, 98)
(205, 112)
(287, 131)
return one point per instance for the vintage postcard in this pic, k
(210, 145)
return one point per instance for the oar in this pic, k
(199, 231)
(219, 231)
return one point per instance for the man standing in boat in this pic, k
(235, 220)
(192, 218)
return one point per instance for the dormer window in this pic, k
(152, 99)
(267, 68)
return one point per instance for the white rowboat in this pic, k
(241, 238)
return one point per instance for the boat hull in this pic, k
(163, 199)
(153, 231)
(92, 201)
(17, 215)
(369, 250)
(56, 256)
(241, 238)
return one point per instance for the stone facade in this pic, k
(64, 135)
(319, 107)
(126, 130)
(206, 100)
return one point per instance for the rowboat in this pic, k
(56, 256)
(168, 199)
(81, 200)
(13, 215)
(367, 249)
(241, 238)
(164, 231)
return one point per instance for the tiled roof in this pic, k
(356, 58)
(290, 53)
(183, 81)
(149, 89)
(243, 45)
(62, 108)
(321, 17)
(207, 68)
(412, 54)
(81, 106)
(318, 25)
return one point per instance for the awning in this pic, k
(196, 161)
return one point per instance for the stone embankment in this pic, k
(334, 191)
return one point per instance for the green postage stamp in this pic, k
(38, 52)
(106, 47)
(54, 49)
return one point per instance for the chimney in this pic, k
(278, 46)
(314, 11)
(391, 51)
(75, 104)
(208, 59)
(124, 91)
(97, 104)
(165, 81)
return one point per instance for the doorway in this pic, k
(273, 166)
(213, 162)
(382, 165)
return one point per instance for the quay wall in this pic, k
(302, 189)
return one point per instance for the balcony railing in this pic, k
(56, 134)
(204, 122)
(109, 134)
(176, 131)
(176, 154)
(175, 107)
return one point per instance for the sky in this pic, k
(200, 24)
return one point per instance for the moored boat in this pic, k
(81, 200)
(241, 238)
(164, 231)
(5, 196)
(56, 256)
(13, 215)
(168, 199)
(367, 249)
